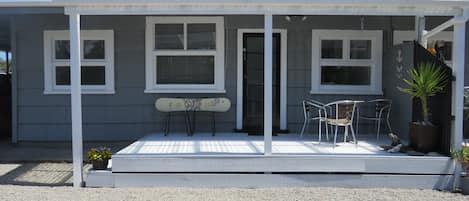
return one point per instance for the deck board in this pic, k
(240, 143)
(237, 152)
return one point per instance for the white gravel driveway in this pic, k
(51, 182)
(10, 192)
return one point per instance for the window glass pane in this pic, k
(201, 36)
(331, 49)
(93, 49)
(345, 75)
(360, 49)
(90, 75)
(62, 75)
(185, 70)
(62, 49)
(169, 36)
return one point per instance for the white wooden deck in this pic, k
(243, 144)
(237, 160)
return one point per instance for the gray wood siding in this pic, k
(129, 113)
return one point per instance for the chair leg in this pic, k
(320, 134)
(327, 131)
(304, 127)
(213, 124)
(353, 135)
(188, 124)
(168, 119)
(389, 125)
(335, 136)
(377, 133)
(356, 124)
(345, 133)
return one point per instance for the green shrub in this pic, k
(463, 157)
(100, 153)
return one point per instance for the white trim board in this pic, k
(283, 76)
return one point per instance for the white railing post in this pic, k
(268, 84)
(75, 80)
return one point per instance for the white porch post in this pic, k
(459, 43)
(268, 84)
(420, 30)
(75, 77)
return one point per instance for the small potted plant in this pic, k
(426, 81)
(99, 157)
(462, 156)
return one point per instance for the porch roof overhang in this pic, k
(276, 7)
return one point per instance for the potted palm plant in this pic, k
(426, 81)
(99, 157)
(462, 156)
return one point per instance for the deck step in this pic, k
(283, 164)
(109, 179)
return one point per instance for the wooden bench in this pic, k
(189, 106)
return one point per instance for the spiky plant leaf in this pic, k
(426, 81)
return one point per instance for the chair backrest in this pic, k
(312, 106)
(381, 106)
(344, 109)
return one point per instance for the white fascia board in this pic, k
(117, 3)
(285, 9)
(448, 3)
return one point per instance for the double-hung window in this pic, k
(346, 62)
(97, 62)
(184, 55)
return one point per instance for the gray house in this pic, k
(129, 54)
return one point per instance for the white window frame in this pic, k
(50, 62)
(376, 37)
(399, 36)
(151, 85)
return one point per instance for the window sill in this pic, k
(176, 91)
(84, 91)
(347, 92)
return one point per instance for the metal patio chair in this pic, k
(344, 112)
(376, 110)
(314, 111)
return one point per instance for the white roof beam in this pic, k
(458, 19)
(286, 9)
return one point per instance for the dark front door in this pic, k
(253, 82)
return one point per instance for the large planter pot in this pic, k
(423, 138)
(99, 164)
(464, 185)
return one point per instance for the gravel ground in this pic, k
(10, 192)
(51, 182)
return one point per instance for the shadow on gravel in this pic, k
(36, 174)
